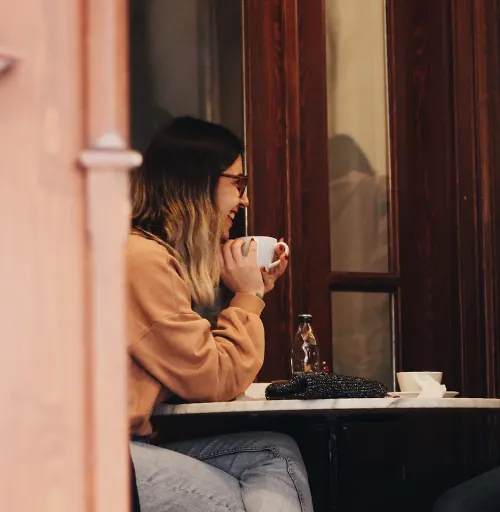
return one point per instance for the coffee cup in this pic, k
(407, 381)
(266, 250)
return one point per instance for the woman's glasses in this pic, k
(241, 181)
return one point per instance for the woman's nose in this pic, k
(244, 202)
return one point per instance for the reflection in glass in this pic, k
(185, 59)
(357, 130)
(362, 335)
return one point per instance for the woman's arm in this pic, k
(176, 346)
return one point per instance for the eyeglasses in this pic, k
(241, 181)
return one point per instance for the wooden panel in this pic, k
(296, 300)
(445, 88)
(422, 113)
(468, 201)
(312, 192)
(487, 47)
(267, 163)
(43, 315)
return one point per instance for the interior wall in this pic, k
(174, 55)
(186, 59)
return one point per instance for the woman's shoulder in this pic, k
(139, 245)
(147, 253)
(155, 280)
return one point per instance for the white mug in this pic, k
(266, 250)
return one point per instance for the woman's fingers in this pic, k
(237, 251)
(252, 251)
(227, 254)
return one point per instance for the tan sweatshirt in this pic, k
(172, 349)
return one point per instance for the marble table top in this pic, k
(254, 402)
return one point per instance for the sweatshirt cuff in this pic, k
(247, 302)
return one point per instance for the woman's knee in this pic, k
(168, 480)
(281, 444)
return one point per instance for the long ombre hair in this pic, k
(174, 197)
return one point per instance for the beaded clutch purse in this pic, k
(312, 386)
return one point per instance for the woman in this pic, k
(184, 200)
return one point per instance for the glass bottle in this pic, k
(305, 350)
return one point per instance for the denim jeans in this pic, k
(480, 494)
(251, 471)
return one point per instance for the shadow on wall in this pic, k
(146, 116)
(185, 59)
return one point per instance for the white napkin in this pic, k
(430, 387)
(256, 391)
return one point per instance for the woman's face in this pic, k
(228, 195)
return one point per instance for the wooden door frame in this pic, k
(106, 162)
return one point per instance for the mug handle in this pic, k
(287, 251)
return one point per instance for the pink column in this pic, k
(63, 432)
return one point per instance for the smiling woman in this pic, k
(178, 198)
(184, 199)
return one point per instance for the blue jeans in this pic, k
(480, 494)
(251, 471)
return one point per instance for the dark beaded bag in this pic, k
(313, 386)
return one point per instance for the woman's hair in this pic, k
(174, 196)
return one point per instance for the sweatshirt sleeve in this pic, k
(177, 346)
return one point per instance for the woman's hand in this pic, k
(275, 273)
(241, 273)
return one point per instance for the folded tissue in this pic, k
(430, 387)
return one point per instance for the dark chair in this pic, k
(135, 506)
